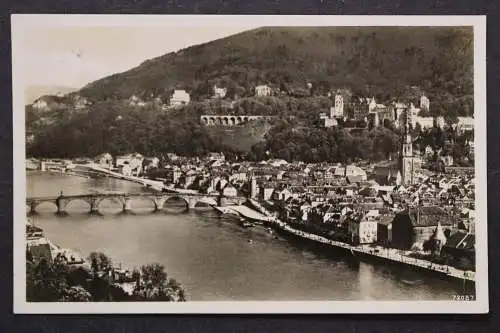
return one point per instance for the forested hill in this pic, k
(380, 61)
(388, 63)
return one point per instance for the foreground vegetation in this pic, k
(59, 282)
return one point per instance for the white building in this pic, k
(132, 161)
(104, 160)
(353, 170)
(40, 104)
(427, 122)
(337, 111)
(465, 124)
(136, 101)
(219, 92)
(263, 90)
(424, 103)
(179, 97)
(229, 191)
(364, 231)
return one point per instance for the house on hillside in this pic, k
(40, 104)
(263, 90)
(180, 97)
(136, 101)
(219, 92)
(465, 124)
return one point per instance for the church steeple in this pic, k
(407, 159)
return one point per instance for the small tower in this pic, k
(438, 239)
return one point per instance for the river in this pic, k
(213, 257)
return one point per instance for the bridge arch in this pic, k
(78, 204)
(160, 202)
(34, 207)
(111, 204)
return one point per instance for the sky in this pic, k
(74, 56)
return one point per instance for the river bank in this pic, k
(216, 257)
(370, 252)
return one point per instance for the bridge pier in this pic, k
(94, 205)
(127, 205)
(61, 206)
(191, 203)
(32, 205)
(158, 204)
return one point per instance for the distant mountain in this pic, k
(33, 92)
(380, 61)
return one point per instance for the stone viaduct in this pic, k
(231, 120)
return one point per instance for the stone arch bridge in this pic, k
(231, 120)
(94, 200)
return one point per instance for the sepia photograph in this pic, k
(249, 164)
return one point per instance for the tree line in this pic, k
(57, 281)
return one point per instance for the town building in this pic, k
(229, 190)
(364, 230)
(425, 103)
(133, 163)
(461, 245)
(135, 101)
(263, 90)
(40, 104)
(219, 92)
(150, 163)
(328, 121)
(465, 124)
(104, 160)
(179, 97)
(414, 226)
(428, 122)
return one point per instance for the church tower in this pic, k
(407, 158)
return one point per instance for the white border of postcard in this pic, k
(479, 305)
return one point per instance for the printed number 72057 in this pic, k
(463, 297)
